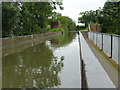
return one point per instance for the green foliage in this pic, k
(24, 18)
(56, 29)
(108, 17)
(87, 17)
(87, 28)
(80, 27)
(54, 17)
(10, 12)
(66, 23)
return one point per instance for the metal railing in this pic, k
(109, 43)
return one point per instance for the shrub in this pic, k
(56, 29)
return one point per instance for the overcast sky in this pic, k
(72, 8)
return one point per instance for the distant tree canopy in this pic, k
(78, 27)
(87, 17)
(23, 18)
(66, 23)
(108, 17)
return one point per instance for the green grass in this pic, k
(56, 29)
(83, 30)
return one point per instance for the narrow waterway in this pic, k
(52, 64)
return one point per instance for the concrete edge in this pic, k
(107, 77)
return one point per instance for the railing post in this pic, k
(93, 36)
(111, 45)
(102, 41)
(96, 38)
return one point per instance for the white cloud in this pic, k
(72, 8)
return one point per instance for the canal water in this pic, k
(52, 64)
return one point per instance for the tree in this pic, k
(67, 23)
(24, 18)
(87, 17)
(9, 18)
(108, 17)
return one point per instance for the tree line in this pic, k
(108, 17)
(26, 18)
(67, 23)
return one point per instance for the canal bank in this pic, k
(14, 44)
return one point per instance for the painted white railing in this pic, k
(109, 43)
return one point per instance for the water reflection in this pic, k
(63, 40)
(35, 67)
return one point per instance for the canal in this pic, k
(54, 63)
